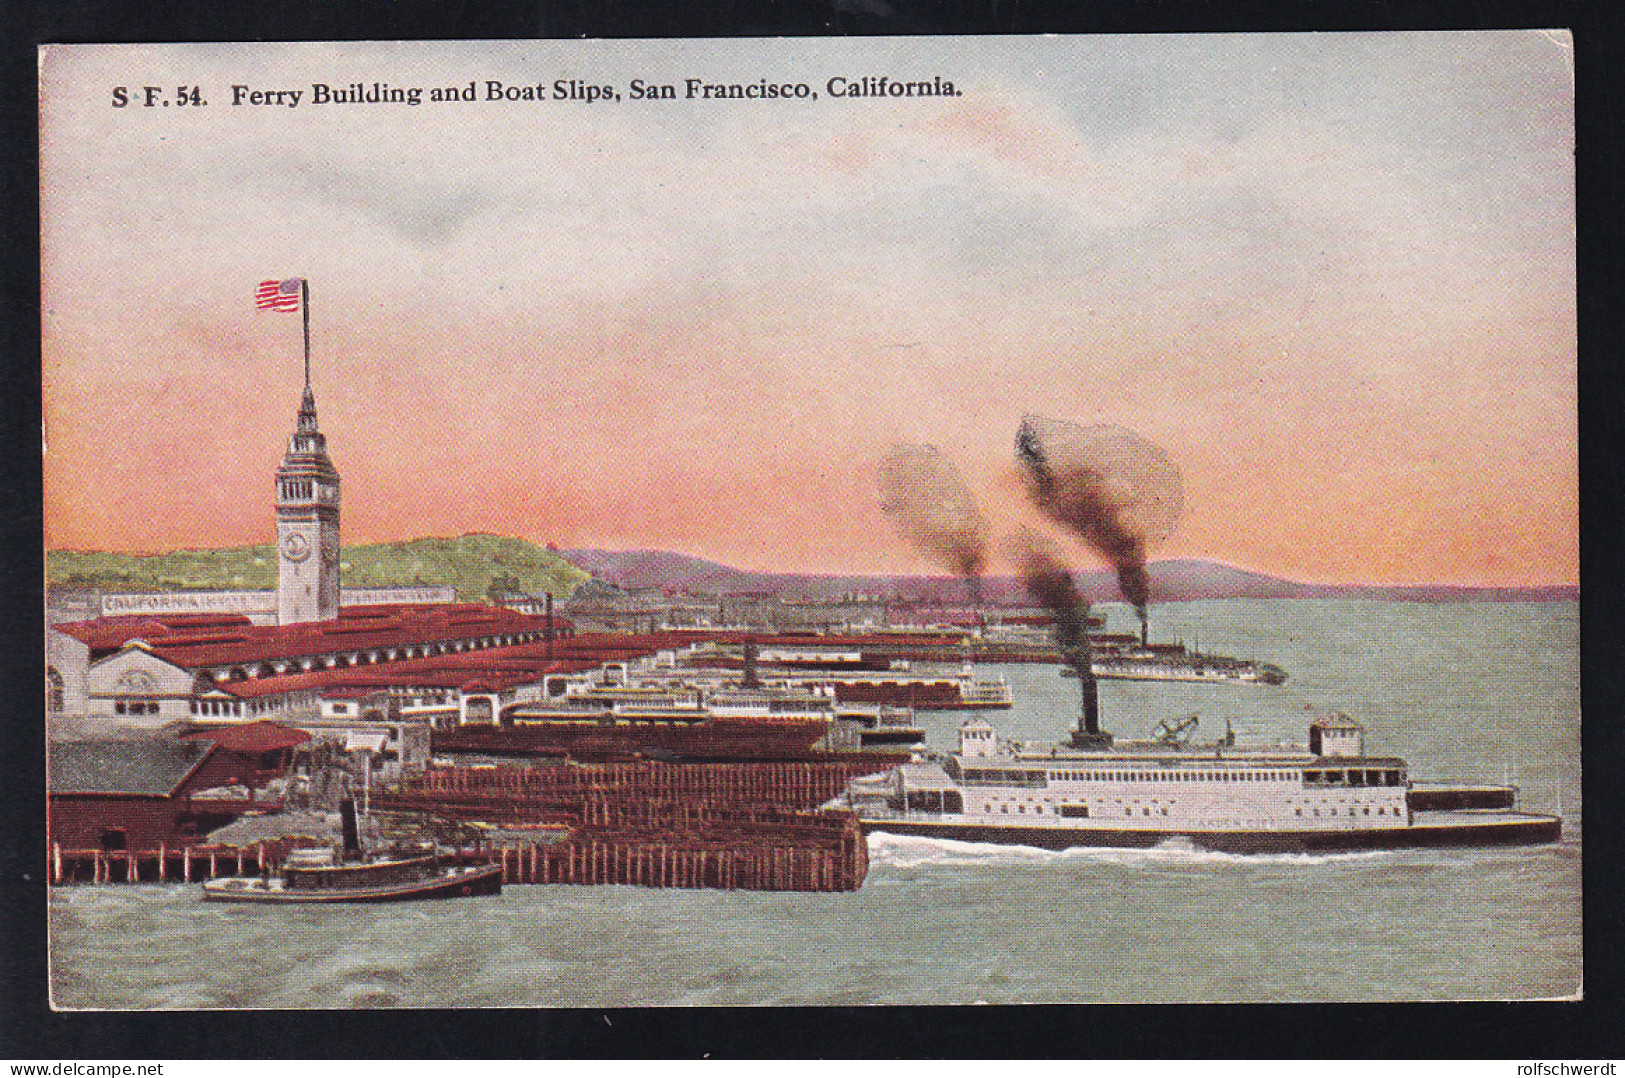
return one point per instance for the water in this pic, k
(1470, 691)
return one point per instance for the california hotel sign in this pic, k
(257, 603)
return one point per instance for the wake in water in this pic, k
(910, 851)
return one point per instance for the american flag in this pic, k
(278, 295)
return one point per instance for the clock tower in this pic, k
(307, 524)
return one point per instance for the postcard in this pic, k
(811, 521)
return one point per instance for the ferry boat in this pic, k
(668, 720)
(1174, 663)
(854, 676)
(921, 690)
(1130, 656)
(1328, 795)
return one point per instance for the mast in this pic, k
(304, 305)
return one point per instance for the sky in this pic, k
(1330, 275)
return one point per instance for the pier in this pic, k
(821, 852)
(166, 864)
(729, 826)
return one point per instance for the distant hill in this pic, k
(471, 562)
(468, 563)
(1173, 580)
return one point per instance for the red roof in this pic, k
(189, 643)
(252, 737)
(441, 672)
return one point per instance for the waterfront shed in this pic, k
(139, 792)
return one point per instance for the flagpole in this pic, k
(304, 305)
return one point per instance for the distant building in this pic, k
(364, 727)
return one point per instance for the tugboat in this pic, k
(315, 875)
(1096, 791)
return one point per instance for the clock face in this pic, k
(295, 547)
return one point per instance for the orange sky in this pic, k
(1331, 275)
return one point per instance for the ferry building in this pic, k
(168, 661)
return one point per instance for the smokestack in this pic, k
(1047, 580)
(352, 836)
(750, 680)
(1088, 735)
(1145, 631)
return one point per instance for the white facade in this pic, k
(977, 739)
(67, 661)
(1336, 736)
(136, 688)
(307, 525)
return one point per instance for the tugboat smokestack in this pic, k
(352, 835)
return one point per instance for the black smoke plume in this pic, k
(926, 501)
(1108, 486)
(1047, 580)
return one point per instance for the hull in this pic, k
(1437, 795)
(1440, 831)
(715, 740)
(453, 883)
(1183, 672)
(920, 695)
(896, 739)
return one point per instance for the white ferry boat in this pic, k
(1134, 658)
(1327, 795)
(1165, 664)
